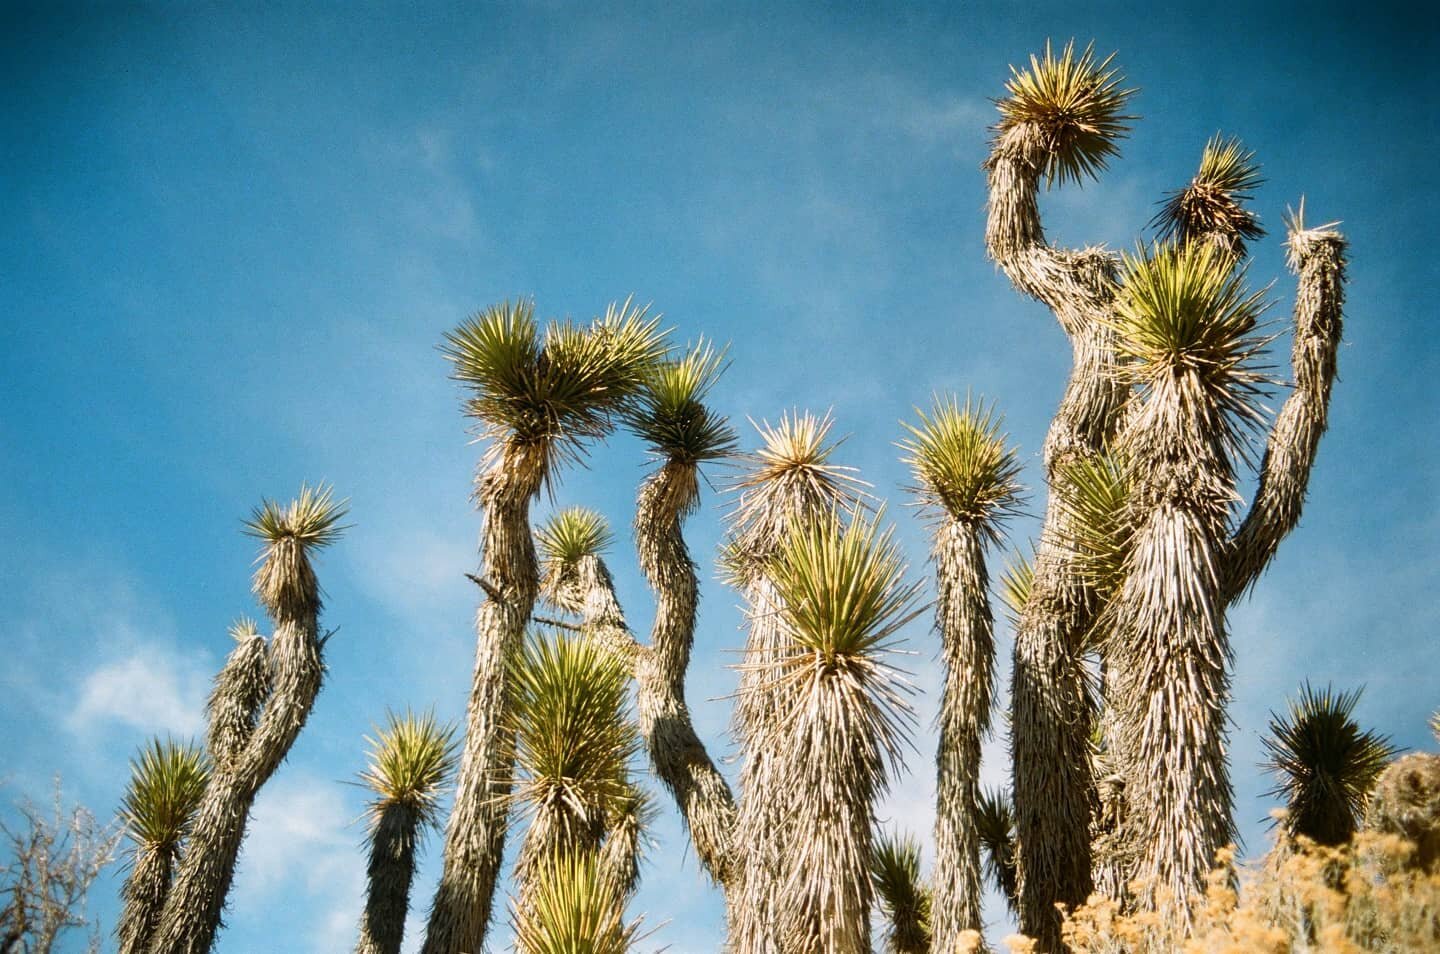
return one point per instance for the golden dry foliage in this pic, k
(1301, 899)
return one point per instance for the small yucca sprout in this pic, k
(285, 582)
(904, 897)
(1095, 495)
(1185, 320)
(574, 908)
(573, 739)
(791, 482)
(995, 821)
(1015, 585)
(1211, 204)
(1302, 240)
(167, 781)
(962, 466)
(1325, 764)
(1076, 105)
(410, 759)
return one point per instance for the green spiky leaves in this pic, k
(1325, 764)
(904, 897)
(1186, 324)
(573, 739)
(285, 582)
(1094, 494)
(1075, 104)
(575, 907)
(670, 414)
(995, 824)
(961, 463)
(571, 534)
(167, 782)
(842, 588)
(312, 519)
(1211, 207)
(791, 482)
(551, 392)
(409, 762)
(1015, 585)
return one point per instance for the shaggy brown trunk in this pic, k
(968, 652)
(390, 871)
(143, 897)
(1053, 778)
(193, 910)
(475, 834)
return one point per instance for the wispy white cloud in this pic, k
(150, 690)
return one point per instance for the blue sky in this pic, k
(232, 240)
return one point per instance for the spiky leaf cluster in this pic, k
(167, 781)
(1015, 585)
(1186, 324)
(904, 897)
(1325, 764)
(563, 541)
(790, 483)
(1212, 205)
(574, 908)
(285, 581)
(1076, 106)
(1094, 493)
(409, 761)
(670, 414)
(995, 823)
(961, 463)
(841, 586)
(573, 739)
(554, 390)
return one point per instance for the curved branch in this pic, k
(1318, 258)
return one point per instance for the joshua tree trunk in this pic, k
(1051, 719)
(475, 833)
(390, 871)
(286, 586)
(143, 898)
(968, 651)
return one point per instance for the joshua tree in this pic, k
(1325, 765)
(966, 480)
(167, 781)
(286, 587)
(905, 901)
(536, 400)
(1162, 388)
(574, 743)
(410, 762)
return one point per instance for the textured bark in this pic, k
(968, 655)
(193, 911)
(143, 897)
(677, 755)
(1319, 258)
(240, 690)
(390, 871)
(475, 833)
(1406, 802)
(1053, 779)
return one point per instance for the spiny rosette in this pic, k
(961, 463)
(1212, 204)
(167, 782)
(1074, 104)
(1325, 765)
(285, 582)
(670, 414)
(904, 897)
(563, 541)
(1186, 325)
(574, 739)
(410, 760)
(1094, 495)
(551, 392)
(575, 907)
